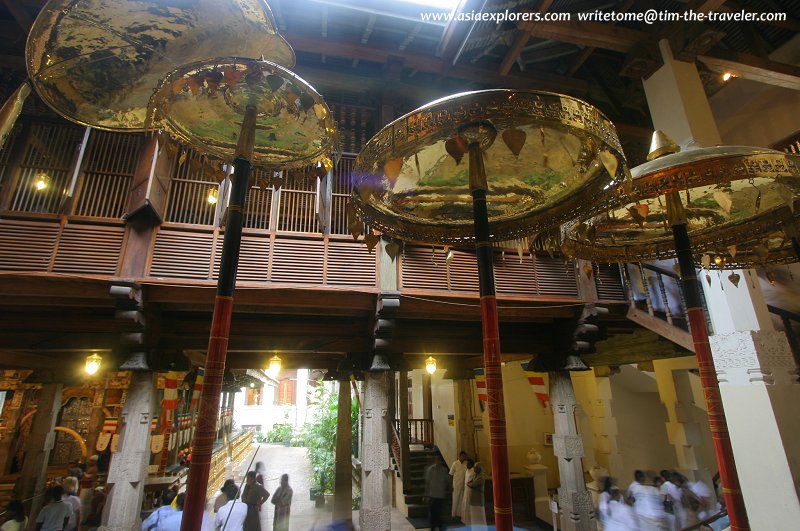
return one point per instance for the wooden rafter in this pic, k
(595, 34)
(434, 65)
(520, 41)
(754, 68)
(589, 50)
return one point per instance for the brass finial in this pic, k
(661, 145)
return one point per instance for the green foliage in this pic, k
(259, 436)
(319, 435)
(280, 433)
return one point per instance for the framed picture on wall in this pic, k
(548, 439)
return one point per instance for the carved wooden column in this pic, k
(405, 453)
(12, 411)
(375, 512)
(33, 478)
(343, 486)
(465, 425)
(129, 464)
(574, 500)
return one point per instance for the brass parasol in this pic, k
(741, 206)
(552, 156)
(97, 62)
(556, 155)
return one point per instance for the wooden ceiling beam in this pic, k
(434, 65)
(753, 68)
(521, 40)
(594, 34)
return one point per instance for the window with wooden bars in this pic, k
(190, 187)
(341, 188)
(297, 202)
(108, 166)
(45, 169)
(286, 395)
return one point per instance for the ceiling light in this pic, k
(430, 365)
(213, 197)
(726, 76)
(41, 181)
(93, 362)
(274, 367)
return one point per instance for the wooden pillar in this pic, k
(129, 464)
(391, 412)
(405, 453)
(95, 419)
(376, 490)
(465, 426)
(33, 478)
(343, 486)
(13, 411)
(427, 398)
(575, 502)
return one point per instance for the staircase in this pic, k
(414, 485)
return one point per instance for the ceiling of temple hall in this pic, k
(360, 51)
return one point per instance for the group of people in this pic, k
(232, 511)
(464, 481)
(64, 509)
(244, 514)
(664, 502)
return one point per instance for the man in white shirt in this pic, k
(647, 503)
(458, 470)
(55, 515)
(233, 512)
(705, 498)
(672, 493)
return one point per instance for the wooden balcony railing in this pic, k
(420, 431)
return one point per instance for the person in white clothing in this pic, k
(70, 485)
(15, 512)
(458, 471)
(705, 499)
(672, 499)
(604, 499)
(468, 475)
(231, 516)
(648, 505)
(619, 515)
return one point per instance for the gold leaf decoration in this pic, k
(587, 268)
(677, 269)
(732, 251)
(515, 140)
(182, 158)
(706, 261)
(771, 277)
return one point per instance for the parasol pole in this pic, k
(501, 481)
(731, 490)
(205, 431)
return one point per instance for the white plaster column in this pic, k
(376, 490)
(574, 500)
(687, 426)
(128, 470)
(757, 376)
(678, 102)
(600, 431)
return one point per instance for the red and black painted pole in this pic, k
(205, 429)
(731, 490)
(498, 446)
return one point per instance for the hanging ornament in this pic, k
(677, 268)
(587, 268)
(719, 260)
(371, 240)
(734, 278)
(732, 251)
(771, 277)
(724, 200)
(639, 213)
(610, 162)
(721, 286)
(520, 250)
(706, 261)
(514, 139)
(708, 279)
(456, 148)
(392, 169)
(392, 248)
